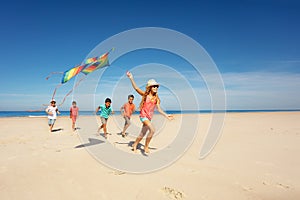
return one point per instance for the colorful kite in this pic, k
(100, 62)
(71, 73)
(89, 66)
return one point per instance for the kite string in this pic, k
(70, 92)
(58, 86)
(76, 85)
(53, 95)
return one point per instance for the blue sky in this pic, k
(255, 45)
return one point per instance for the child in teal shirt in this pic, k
(106, 110)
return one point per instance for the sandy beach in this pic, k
(257, 157)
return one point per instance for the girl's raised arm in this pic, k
(137, 89)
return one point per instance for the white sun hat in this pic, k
(52, 100)
(151, 82)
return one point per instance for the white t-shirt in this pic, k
(52, 110)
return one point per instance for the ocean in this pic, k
(90, 113)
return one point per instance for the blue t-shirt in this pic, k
(105, 112)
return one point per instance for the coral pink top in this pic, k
(74, 111)
(148, 108)
(128, 109)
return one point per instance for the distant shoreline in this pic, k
(37, 114)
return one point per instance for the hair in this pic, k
(108, 100)
(131, 95)
(73, 102)
(144, 97)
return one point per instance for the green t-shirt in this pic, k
(105, 112)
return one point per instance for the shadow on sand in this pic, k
(56, 130)
(92, 142)
(139, 147)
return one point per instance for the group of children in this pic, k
(52, 112)
(149, 102)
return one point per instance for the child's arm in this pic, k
(97, 110)
(130, 76)
(70, 112)
(47, 111)
(57, 111)
(170, 117)
(122, 110)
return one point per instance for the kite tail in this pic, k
(52, 74)
(53, 95)
(70, 92)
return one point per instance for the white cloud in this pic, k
(261, 90)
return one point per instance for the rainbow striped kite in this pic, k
(99, 62)
(71, 73)
(91, 60)
(90, 65)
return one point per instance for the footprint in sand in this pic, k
(283, 186)
(117, 172)
(173, 193)
(247, 189)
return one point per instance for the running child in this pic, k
(106, 110)
(149, 102)
(74, 114)
(52, 112)
(127, 109)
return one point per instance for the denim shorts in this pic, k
(51, 121)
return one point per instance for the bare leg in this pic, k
(149, 136)
(105, 130)
(73, 126)
(50, 127)
(124, 129)
(100, 127)
(126, 125)
(140, 137)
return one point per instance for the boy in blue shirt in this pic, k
(106, 110)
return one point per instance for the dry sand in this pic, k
(257, 157)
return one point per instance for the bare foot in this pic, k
(134, 148)
(105, 135)
(146, 149)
